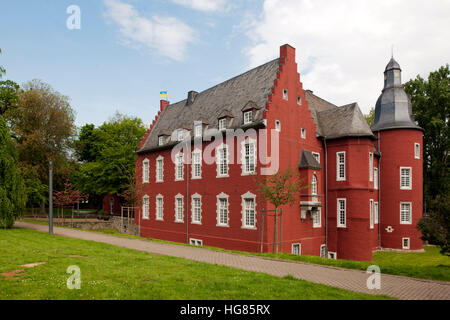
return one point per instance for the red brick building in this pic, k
(199, 158)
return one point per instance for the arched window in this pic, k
(314, 185)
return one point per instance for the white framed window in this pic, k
(160, 140)
(179, 208)
(222, 161)
(417, 150)
(376, 213)
(181, 135)
(146, 171)
(299, 100)
(405, 178)
(198, 131)
(371, 213)
(248, 152)
(222, 210)
(405, 213)
(248, 117)
(249, 211)
(314, 187)
(340, 166)
(285, 94)
(375, 178)
(341, 213)
(317, 218)
(332, 255)
(405, 243)
(303, 134)
(196, 164)
(297, 249)
(160, 169)
(278, 125)
(323, 251)
(222, 124)
(159, 207)
(316, 156)
(196, 242)
(145, 207)
(196, 208)
(370, 166)
(179, 167)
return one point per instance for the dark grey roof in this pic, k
(227, 98)
(317, 104)
(393, 109)
(345, 121)
(307, 161)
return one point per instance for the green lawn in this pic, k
(424, 265)
(109, 272)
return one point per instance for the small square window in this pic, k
(161, 140)
(316, 156)
(248, 117)
(299, 100)
(278, 125)
(222, 124)
(332, 255)
(405, 243)
(180, 135)
(303, 133)
(285, 94)
(297, 249)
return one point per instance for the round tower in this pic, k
(400, 142)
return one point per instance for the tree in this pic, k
(108, 156)
(280, 189)
(8, 96)
(43, 125)
(12, 194)
(370, 118)
(431, 107)
(2, 70)
(435, 226)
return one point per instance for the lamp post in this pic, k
(50, 198)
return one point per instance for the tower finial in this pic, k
(392, 52)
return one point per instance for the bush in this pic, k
(12, 191)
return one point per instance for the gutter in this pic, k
(326, 195)
(379, 190)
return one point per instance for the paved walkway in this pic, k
(355, 280)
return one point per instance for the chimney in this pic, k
(287, 53)
(163, 104)
(191, 97)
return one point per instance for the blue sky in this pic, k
(127, 51)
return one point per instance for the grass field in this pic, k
(423, 265)
(109, 272)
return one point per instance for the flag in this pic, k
(163, 94)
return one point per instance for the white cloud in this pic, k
(343, 46)
(166, 35)
(203, 5)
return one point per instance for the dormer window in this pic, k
(180, 135)
(160, 140)
(198, 131)
(285, 94)
(248, 117)
(222, 124)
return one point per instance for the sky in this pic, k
(126, 51)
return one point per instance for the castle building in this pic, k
(198, 163)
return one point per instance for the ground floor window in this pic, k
(297, 248)
(317, 218)
(222, 210)
(159, 207)
(332, 255)
(323, 251)
(179, 209)
(196, 242)
(405, 243)
(145, 207)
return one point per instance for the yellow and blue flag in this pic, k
(163, 94)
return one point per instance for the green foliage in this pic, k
(2, 70)
(431, 107)
(370, 118)
(8, 96)
(109, 155)
(435, 226)
(12, 194)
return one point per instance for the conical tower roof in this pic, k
(393, 109)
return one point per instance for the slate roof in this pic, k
(229, 98)
(307, 161)
(345, 121)
(317, 104)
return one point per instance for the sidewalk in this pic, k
(395, 286)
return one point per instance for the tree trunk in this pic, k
(275, 233)
(43, 208)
